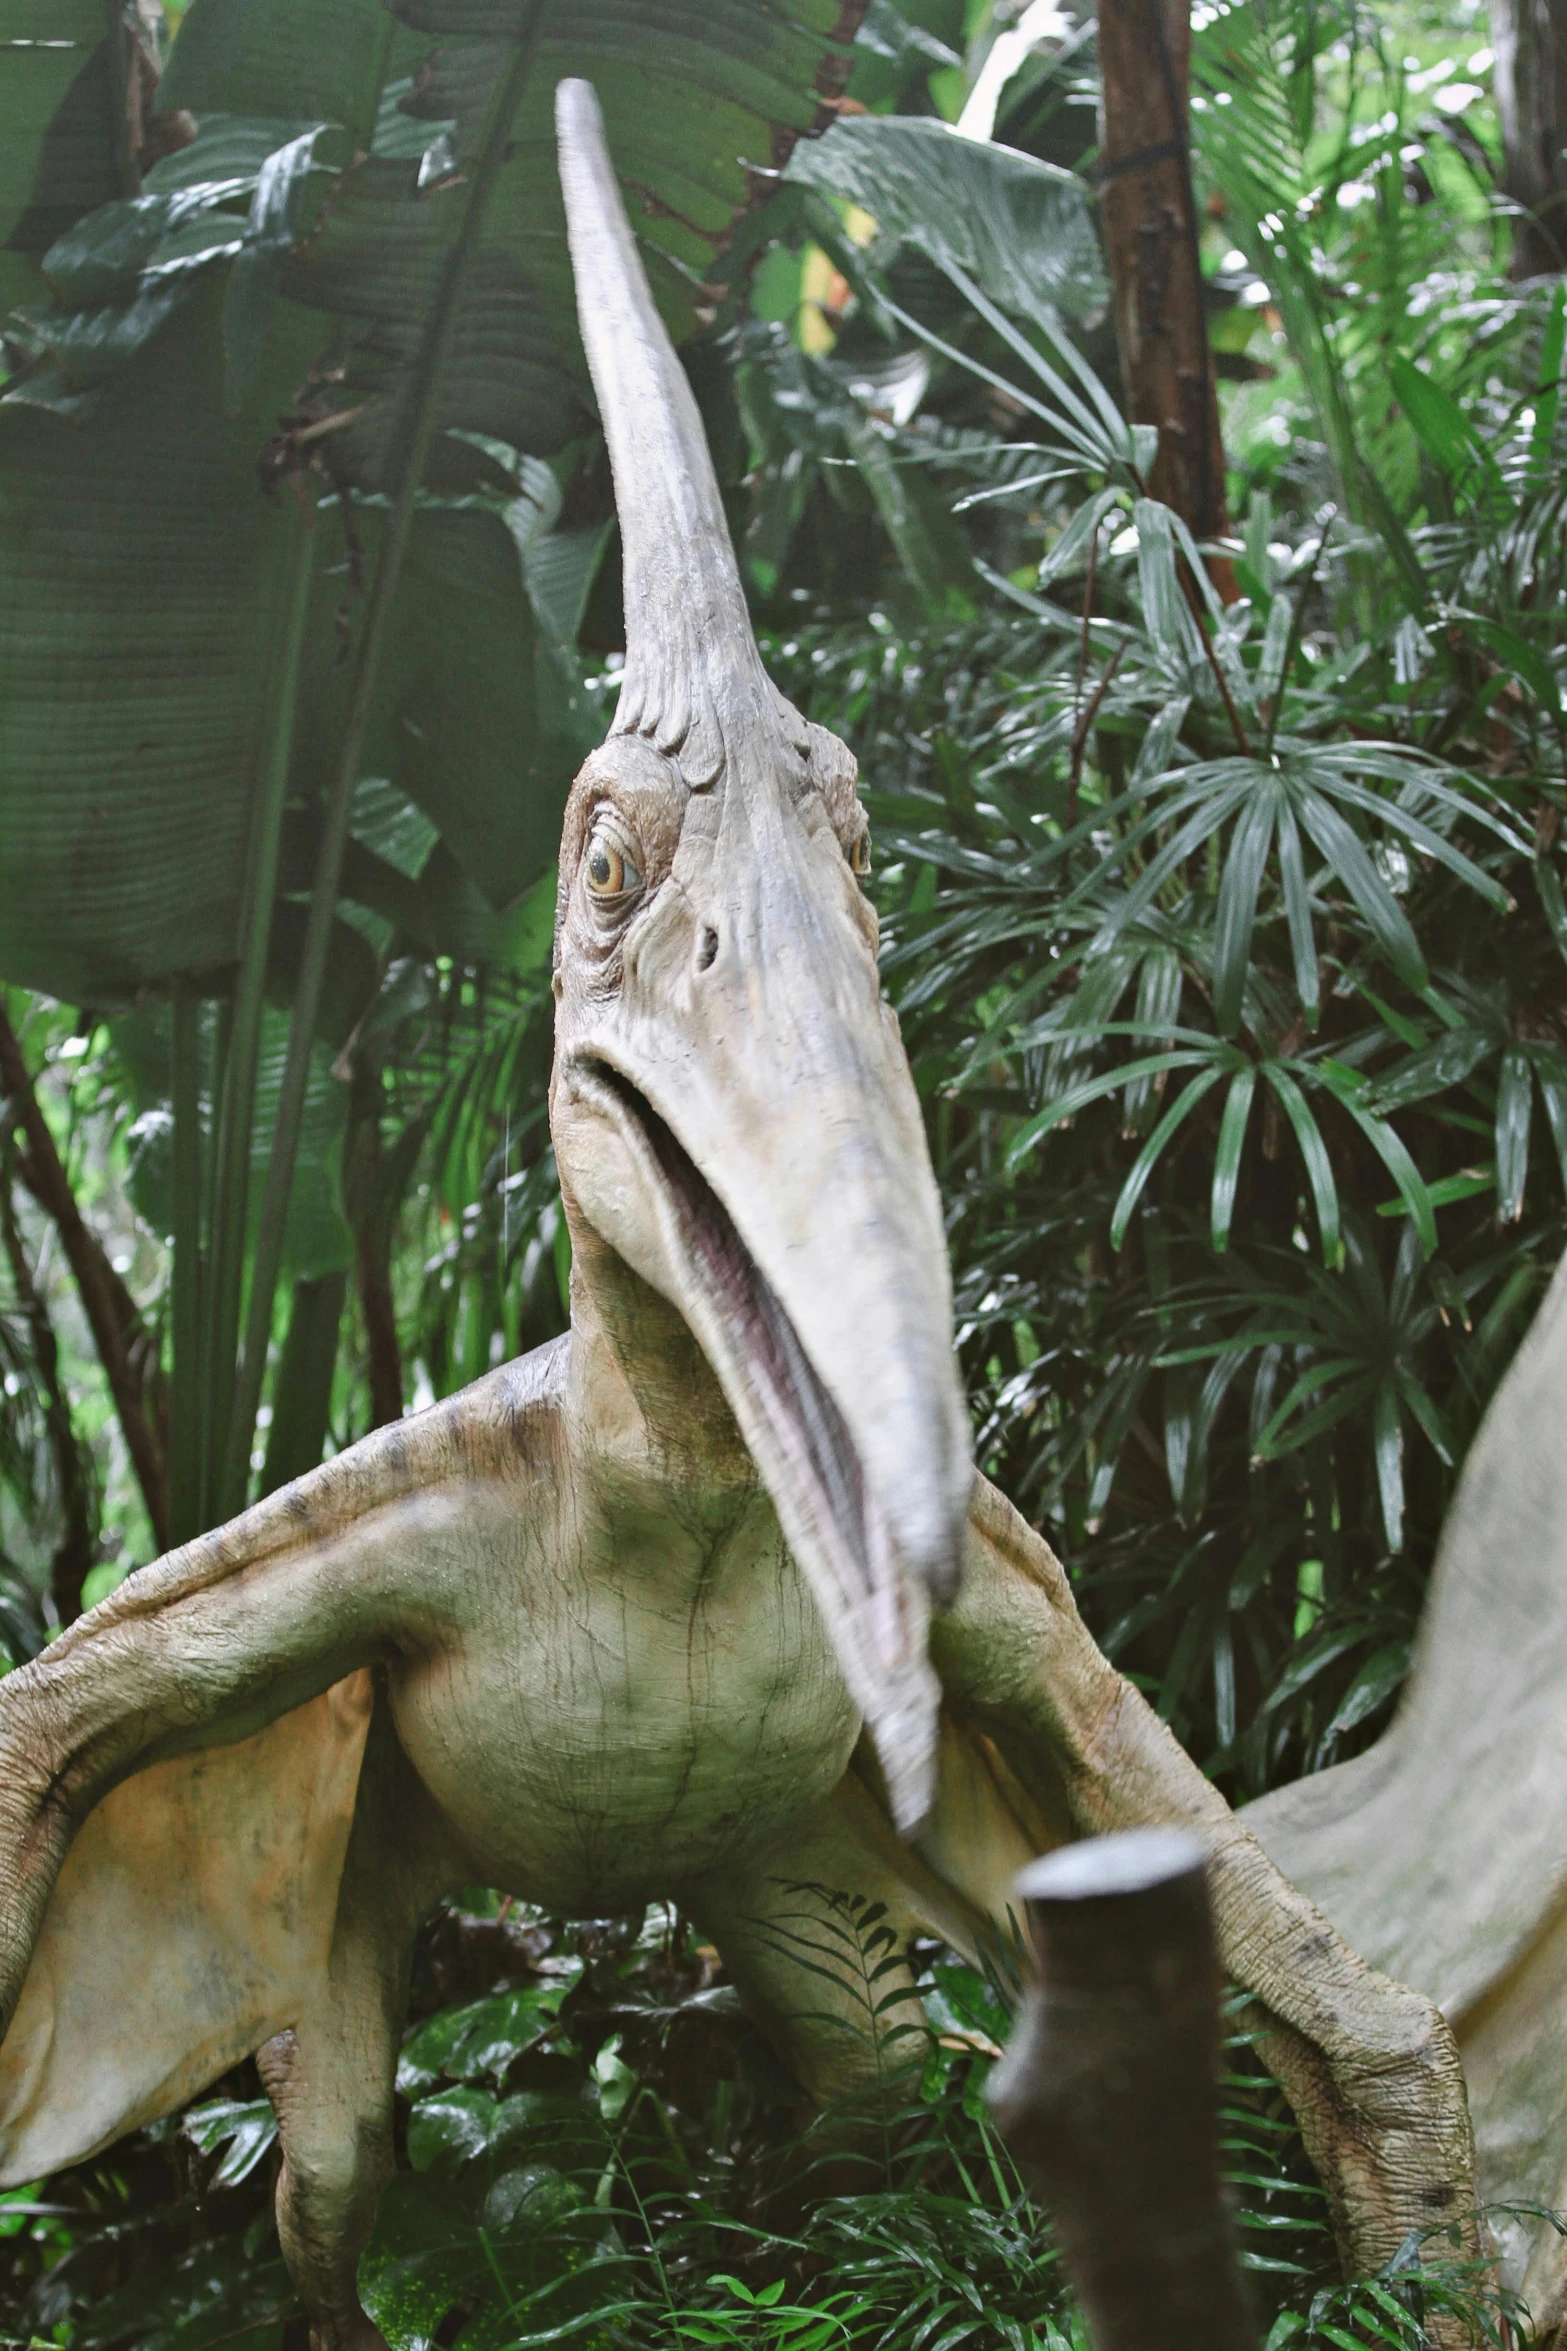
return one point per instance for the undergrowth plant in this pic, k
(599, 2148)
(1222, 890)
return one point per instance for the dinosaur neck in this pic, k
(641, 1389)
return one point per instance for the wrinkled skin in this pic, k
(606, 1626)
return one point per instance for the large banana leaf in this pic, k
(1020, 228)
(292, 259)
(137, 562)
(61, 104)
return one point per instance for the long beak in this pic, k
(772, 1181)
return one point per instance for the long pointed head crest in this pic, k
(694, 684)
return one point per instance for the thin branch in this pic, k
(125, 1349)
(1088, 606)
(1083, 729)
(73, 1553)
(1193, 595)
(1297, 622)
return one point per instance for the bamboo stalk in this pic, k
(302, 1411)
(209, 1437)
(185, 1413)
(234, 1119)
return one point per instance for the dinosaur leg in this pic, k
(1371, 2069)
(330, 2075)
(815, 1934)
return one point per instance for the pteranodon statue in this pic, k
(608, 1626)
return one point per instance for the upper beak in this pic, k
(786, 1205)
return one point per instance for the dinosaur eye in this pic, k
(610, 867)
(860, 855)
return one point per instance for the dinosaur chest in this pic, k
(635, 1707)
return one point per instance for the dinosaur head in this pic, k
(732, 1108)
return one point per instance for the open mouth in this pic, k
(822, 1463)
(875, 1611)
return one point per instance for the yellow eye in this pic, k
(860, 855)
(610, 869)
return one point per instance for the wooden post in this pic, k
(1107, 2093)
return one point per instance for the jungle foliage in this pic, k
(1222, 893)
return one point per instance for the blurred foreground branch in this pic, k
(1107, 2091)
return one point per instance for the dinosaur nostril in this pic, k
(706, 946)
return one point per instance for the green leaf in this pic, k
(1166, 614)
(1078, 1097)
(1514, 1102)
(1466, 1186)
(1227, 1158)
(1284, 2330)
(1513, 652)
(1072, 546)
(1319, 1168)
(60, 132)
(1390, 1149)
(1549, 887)
(1148, 1158)
(1297, 911)
(1376, 1681)
(1159, 984)
(219, 2294)
(1384, 917)
(1235, 918)
(316, 1240)
(930, 545)
(484, 2038)
(1553, 1089)
(481, 722)
(1435, 1069)
(1430, 1420)
(1087, 422)
(449, 2129)
(1020, 228)
(247, 2131)
(1445, 432)
(277, 215)
(1388, 1444)
(125, 773)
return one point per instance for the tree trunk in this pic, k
(1530, 80)
(370, 1195)
(1150, 222)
